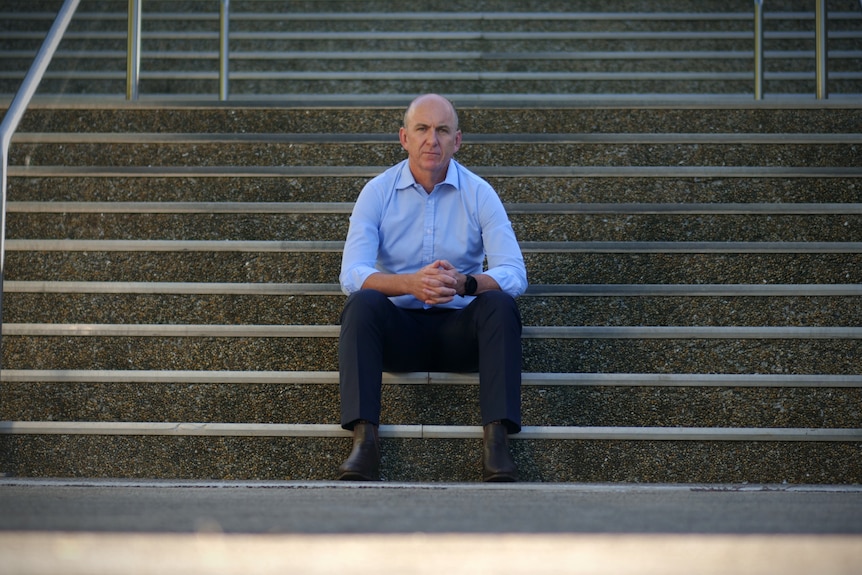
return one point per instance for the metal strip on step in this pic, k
(427, 431)
(333, 289)
(332, 331)
(692, 247)
(693, 290)
(539, 100)
(435, 378)
(514, 138)
(202, 377)
(299, 246)
(485, 171)
(551, 208)
(174, 288)
(50, 207)
(691, 332)
(174, 246)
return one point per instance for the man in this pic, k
(418, 297)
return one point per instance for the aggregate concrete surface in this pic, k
(111, 526)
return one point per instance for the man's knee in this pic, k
(498, 305)
(363, 305)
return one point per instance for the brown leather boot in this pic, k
(363, 463)
(496, 460)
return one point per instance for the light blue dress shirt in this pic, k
(397, 227)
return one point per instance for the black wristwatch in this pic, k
(470, 285)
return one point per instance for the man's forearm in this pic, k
(484, 283)
(388, 284)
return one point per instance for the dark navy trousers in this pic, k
(377, 336)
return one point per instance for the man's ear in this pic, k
(457, 140)
(402, 137)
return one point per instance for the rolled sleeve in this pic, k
(359, 257)
(505, 261)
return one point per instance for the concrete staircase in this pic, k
(331, 48)
(171, 307)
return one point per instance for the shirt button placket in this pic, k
(428, 235)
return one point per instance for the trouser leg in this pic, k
(486, 336)
(375, 335)
(378, 336)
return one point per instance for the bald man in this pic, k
(420, 298)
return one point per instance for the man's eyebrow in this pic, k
(438, 127)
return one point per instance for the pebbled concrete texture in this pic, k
(424, 460)
(542, 405)
(590, 117)
(431, 460)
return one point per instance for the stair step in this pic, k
(757, 380)
(527, 247)
(534, 290)
(510, 50)
(427, 431)
(331, 331)
(429, 460)
(607, 267)
(698, 360)
(558, 139)
(774, 208)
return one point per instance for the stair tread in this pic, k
(422, 431)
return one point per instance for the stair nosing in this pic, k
(635, 138)
(421, 431)
(335, 246)
(484, 171)
(571, 208)
(434, 378)
(328, 289)
(332, 331)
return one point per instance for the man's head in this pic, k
(431, 137)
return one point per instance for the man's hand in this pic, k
(436, 283)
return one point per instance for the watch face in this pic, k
(470, 285)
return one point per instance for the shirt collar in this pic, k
(406, 179)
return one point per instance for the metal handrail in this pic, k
(820, 18)
(224, 50)
(133, 54)
(16, 111)
(133, 62)
(133, 50)
(820, 49)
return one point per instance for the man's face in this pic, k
(431, 137)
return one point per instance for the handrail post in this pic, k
(820, 49)
(758, 49)
(133, 50)
(224, 50)
(16, 112)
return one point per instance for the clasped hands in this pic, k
(438, 283)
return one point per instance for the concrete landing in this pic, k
(83, 526)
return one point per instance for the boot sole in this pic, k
(501, 478)
(355, 476)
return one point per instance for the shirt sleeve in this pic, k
(359, 257)
(505, 261)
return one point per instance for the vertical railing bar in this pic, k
(224, 50)
(758, 49)
(16, 111)
(133, 50)
(820, 50)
